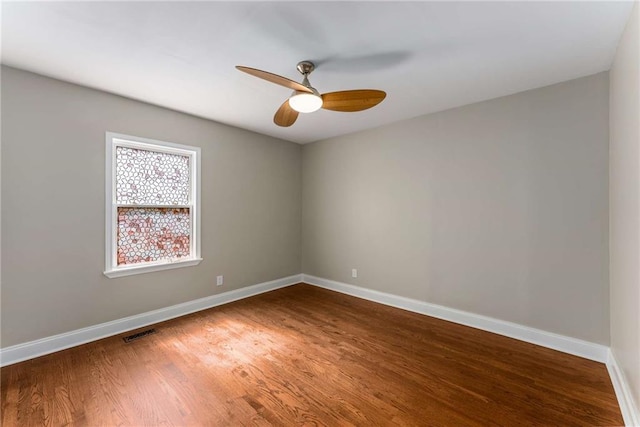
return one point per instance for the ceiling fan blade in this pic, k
(274, 78)
(285, 116)
(352, 100)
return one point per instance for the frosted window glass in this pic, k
(151, 178)
(152, 234)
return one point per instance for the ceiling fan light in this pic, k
(305, 102)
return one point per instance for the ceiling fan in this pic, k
(306, 99)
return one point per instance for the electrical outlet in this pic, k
(219, 280)
(354, 273)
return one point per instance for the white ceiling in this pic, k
(427, 56)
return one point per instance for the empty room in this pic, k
(321, 213)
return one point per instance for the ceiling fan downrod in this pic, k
(305, 68)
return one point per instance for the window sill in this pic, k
(140, 269)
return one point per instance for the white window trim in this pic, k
(115, 139)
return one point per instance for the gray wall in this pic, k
(625, 204)
(53, 161)
(498, 208)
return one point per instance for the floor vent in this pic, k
(139, 335)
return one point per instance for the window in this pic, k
(153, 205)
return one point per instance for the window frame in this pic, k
(114, 140)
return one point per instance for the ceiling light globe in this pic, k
(305, 102)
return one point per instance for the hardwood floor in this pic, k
(307, 356)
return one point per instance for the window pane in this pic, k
(151, 178)
(152, 234)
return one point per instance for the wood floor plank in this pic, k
(308, 356)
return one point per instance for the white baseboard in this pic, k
(32, 349)
(628, 406)
(558, 342)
